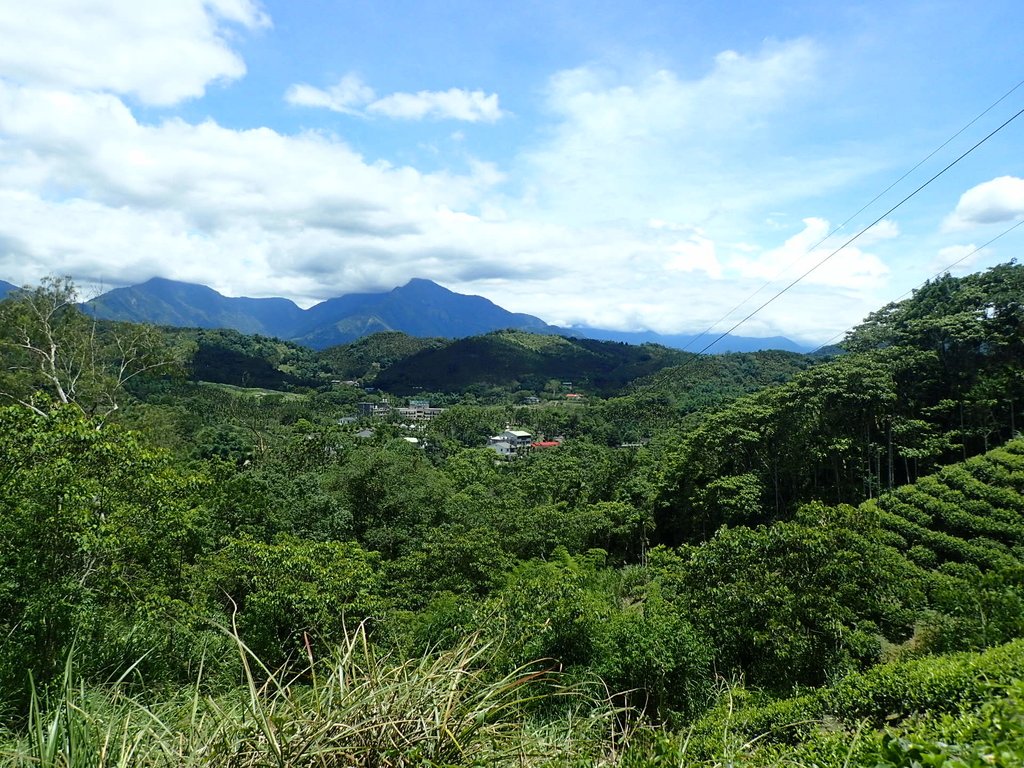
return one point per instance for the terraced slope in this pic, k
(971, 512)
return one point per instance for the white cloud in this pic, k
(302, 211)
(160, 53)
(695, 253)
(647, 143)
(453, 104)
(851, 267)
(607, 233)
(958, 259)
(886, 229)
(92, 143)
(992, 202)
(347, 96)
(352, 96)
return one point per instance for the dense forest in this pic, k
(212, 555)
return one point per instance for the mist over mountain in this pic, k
(419, 308)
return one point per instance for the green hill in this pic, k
(368, 356)
(705, 381)
(520, 360)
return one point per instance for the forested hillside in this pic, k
(211, 557)
(366, 358)
(514, 360)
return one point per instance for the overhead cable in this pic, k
(860, 233)
(864, 207)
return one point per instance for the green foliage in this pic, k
(868, 718)
(514, 360)
(931, 380)
(98, 535)
(991, 736)
(271, 516)
(653, 655)
(365, 358)
(229, 357)
(455, 558)
(394, 494)
(289, 596)
(703, 382)
(547, 612)
(468, 426)
(789, 604)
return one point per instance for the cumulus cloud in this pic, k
(683, 248)
(607, 233)
(646, 142)
(93, 142)
(275, 205)
(158, 53)
(992, 202)
(351, 96)
(852, 267)
(886, 229)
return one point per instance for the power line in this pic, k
(938, 274)
(864, 207)
(862, 231)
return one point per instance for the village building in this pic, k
(502, 448)
(374, 410)
(419, 410)
(541, 444)
(517, 438)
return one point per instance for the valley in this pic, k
(759, 558)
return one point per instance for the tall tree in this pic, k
(50, 346)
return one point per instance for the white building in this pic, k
(502, 448)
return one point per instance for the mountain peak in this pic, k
(419, 308)
(423, 285)
(164, 284)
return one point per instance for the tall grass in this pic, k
(356, 708)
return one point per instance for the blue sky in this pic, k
(621, 165)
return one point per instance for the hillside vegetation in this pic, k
(366, 358)
(750, 560)
(518, 360)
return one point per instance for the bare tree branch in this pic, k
(56, 348)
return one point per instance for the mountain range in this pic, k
(419, 308)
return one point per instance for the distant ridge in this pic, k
(419, 308)
(168, 302)
(6, 288)
(691, 342)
